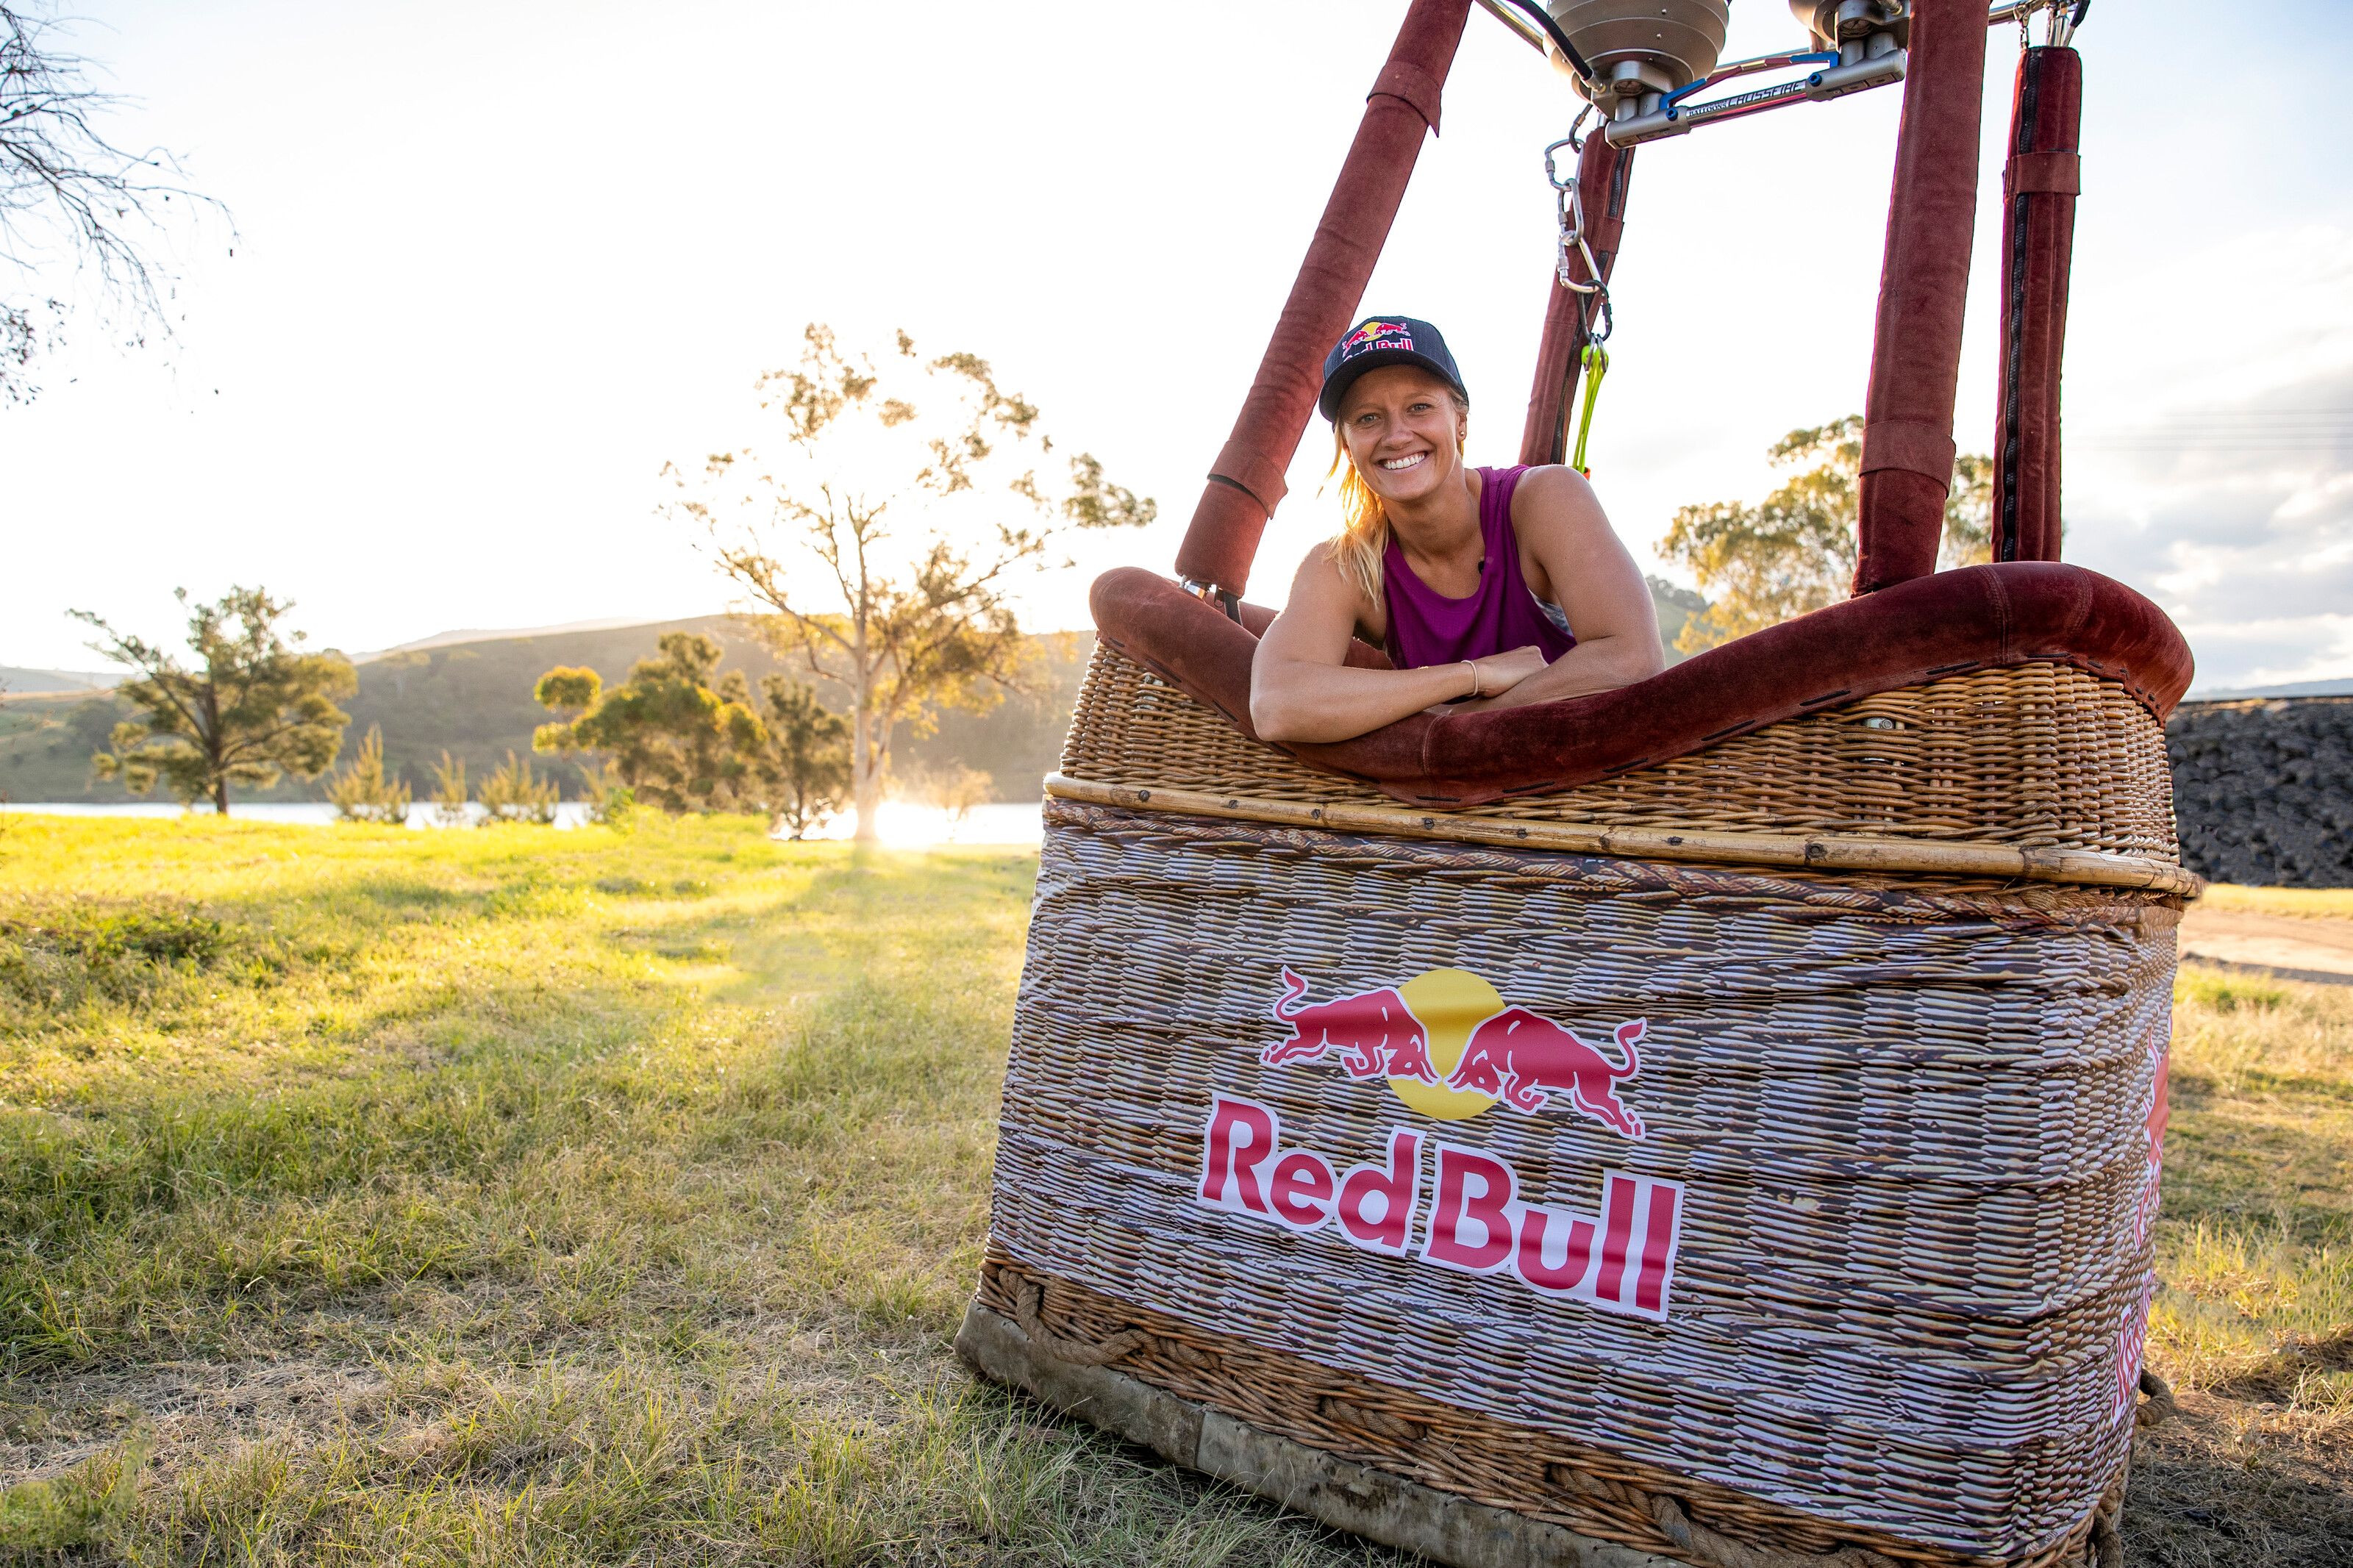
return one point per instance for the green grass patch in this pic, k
(517, 1197)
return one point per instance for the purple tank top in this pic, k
(1427, 627)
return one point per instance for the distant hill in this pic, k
(474, 698)
(16, 679)
(487, 634)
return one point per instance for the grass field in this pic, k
(511, 1196)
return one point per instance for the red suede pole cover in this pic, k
(2037, 243)
(1923, 283)
(1949, 623)
(1246, 482)
(1603, 172)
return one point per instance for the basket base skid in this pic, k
(1335, 1491)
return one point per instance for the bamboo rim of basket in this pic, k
(1821, 852)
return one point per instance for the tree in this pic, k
(254, 706)
(878, 541)
(807, 756)
(1794, 551)
(676, 743)
(363, 794)
(66, 190)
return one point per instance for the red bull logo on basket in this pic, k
(1448, 1046)
(1451, 1047)
(1469, 1216)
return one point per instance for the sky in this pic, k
(495, 262)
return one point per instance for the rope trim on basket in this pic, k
(2161, 1406)
(1026, 1302)
(2084, 867)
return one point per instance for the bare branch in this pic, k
(66, 188)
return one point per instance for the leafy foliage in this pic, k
(677, 744)
(1794, 551)
(252, 706)
(879, 542)
(363, 794)
(807, 756)
(680, 736)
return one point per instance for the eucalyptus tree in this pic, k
(880, 534)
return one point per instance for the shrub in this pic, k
(363, 794)
(450, 793)
(511, 794)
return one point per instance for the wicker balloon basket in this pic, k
(1746, 1161)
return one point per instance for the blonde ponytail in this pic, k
(1364, 536)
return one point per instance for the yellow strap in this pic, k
(1597, 365)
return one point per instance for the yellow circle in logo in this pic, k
(1450, 1004)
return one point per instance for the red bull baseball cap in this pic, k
(1378, 340)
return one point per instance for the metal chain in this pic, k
(1568, 198)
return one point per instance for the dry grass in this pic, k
(2254, 1320)
(510, 1197)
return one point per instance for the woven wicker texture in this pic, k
(1911, 1122)
(1500, 1464)
(2037, 754)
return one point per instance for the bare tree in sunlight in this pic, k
(68, 194)
(879, 539)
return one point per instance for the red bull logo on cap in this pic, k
(1375, 334)
(1451, 1047)
(1473, 1220)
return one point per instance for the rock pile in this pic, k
(2263, 791)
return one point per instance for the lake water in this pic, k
(903, 825)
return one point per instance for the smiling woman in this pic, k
(1485, 586)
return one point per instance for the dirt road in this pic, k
(2299, 948)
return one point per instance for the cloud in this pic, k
(2225, 488)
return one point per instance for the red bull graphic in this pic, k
(1451, 1049)
(1372, 1033)
(1523, 1059)
(1621, 1260)
(1376, 334)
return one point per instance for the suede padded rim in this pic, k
(1975, 617)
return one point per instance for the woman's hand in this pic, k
(1499, 672)
(1304, 690)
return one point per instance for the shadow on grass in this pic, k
(2230, 1485)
